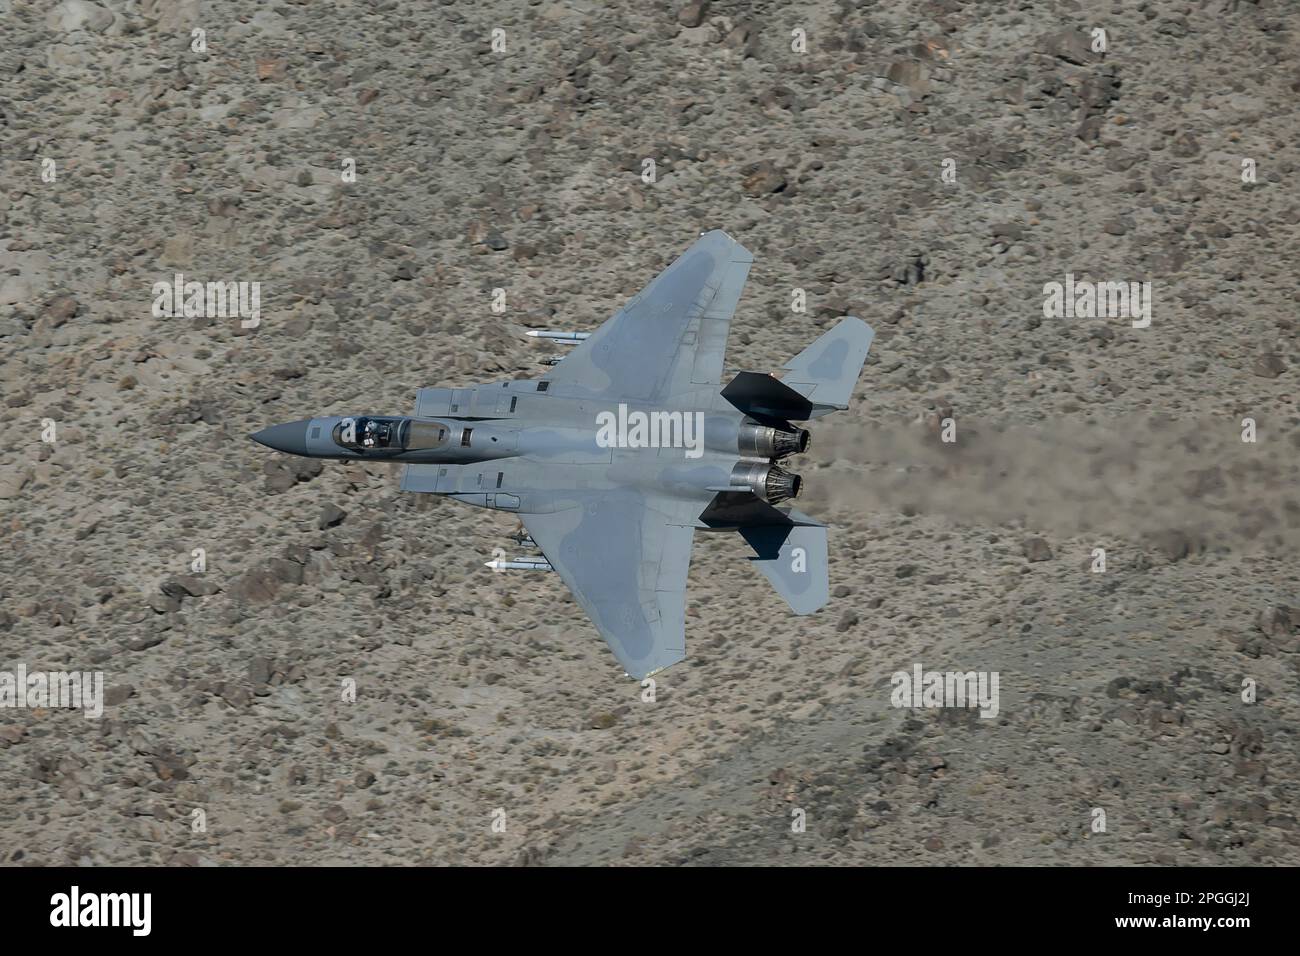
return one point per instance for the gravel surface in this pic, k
(490, 724)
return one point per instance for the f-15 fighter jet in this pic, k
(625, 448)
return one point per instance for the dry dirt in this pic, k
(485, 697)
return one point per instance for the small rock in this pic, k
(118, 694)
(762, 179)
(1268, 365)
(1173, 544)
(285, 571)
(12, 482)
(693, 14)
(165, 603)
(331, 516)
(259, 670)
(1072, 46)
(269, 68)
(236, 696)
(1036, 549)
(912, 74)
(256, 586)
(1280, 622)
(59, 309)
(73, 15)
(194, 585)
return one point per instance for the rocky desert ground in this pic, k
(381, 167)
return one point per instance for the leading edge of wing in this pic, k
(625, 558)
(669, 335)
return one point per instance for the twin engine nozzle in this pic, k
(768, 480)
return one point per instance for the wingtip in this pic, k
(857, 322)
(720, 235)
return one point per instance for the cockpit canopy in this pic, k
(367, 433)
(370, 433)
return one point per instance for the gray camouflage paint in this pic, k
(617, 523)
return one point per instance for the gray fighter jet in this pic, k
(623, 450)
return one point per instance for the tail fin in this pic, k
(826, 371)
(793, 558)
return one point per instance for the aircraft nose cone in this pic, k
(290, 437)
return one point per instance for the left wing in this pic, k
(669, 336)
(624, 555)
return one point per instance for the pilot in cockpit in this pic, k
(369, 433)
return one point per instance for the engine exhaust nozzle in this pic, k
(769, 482)
(765, 441)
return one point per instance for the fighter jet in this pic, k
(626, 447)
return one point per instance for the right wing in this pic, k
(624, 555)
(669, 336)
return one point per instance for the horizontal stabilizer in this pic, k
(737, 509)
(825, 372)
(767, 398)
(793, 558)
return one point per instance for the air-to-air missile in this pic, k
(559, 336)
(519, 564)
